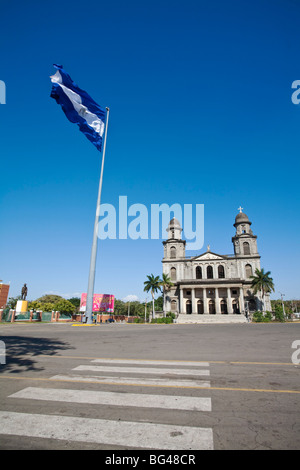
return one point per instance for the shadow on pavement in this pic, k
(20, 352)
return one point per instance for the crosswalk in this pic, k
(162, 388)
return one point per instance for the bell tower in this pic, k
(174, 246)
(244, 242)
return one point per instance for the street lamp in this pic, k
(145, 309)
(282, 295)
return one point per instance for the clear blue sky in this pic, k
(201, 113)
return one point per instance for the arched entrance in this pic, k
(211, 307)
(235, 306)
(188, 307)
(200, 310)
(223, 305)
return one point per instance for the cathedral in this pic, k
(211, 284)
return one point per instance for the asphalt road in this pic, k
(188, 387)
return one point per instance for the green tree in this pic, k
(262, 282)
(279, 316)
(64, 306)
(75, 301)
(120, 307)
(153, 285)
(12, 301)
(49, 298)
(159, 303)
(166, 284)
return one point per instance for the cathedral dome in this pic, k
(241, 217)
(174, 223)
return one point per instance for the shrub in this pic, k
(171, 315)
(162, 320)
(268, 316)
(279, 313)
(259, 317)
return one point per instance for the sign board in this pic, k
(101, 303)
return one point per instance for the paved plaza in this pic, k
(169, 387)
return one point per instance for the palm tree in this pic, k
(153, 285)
(166, 283)
(262, 282)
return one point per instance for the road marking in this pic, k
(101, 431)
(150, 382)
(152, 362)
(115, 398)
(171, 361)
(75, 379)
(141, 370)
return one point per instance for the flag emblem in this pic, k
(78, 106)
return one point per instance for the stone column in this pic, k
(181, 307)
(241, 301)
(205, 306)
(229, 301)
(217, 301)
(194, 307)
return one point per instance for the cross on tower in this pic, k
(240, 209)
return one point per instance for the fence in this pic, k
(11, 316)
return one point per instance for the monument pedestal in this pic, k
(22, 306)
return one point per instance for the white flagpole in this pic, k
(91, 284)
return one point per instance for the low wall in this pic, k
(32, 316)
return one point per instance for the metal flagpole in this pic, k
(91, 284)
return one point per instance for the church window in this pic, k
(188, 292)
(173, 274)
(198, 272)
(172, 252)
(246, 248)
(209, 272)
(248, 269)
(221, 272)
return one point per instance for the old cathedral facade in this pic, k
(210, 283)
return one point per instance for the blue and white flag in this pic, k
(78, 106)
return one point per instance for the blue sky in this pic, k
(200, 113)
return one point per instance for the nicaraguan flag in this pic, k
(78, 106)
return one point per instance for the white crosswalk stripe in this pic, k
(142, 370)
(138, 433)
(132, 434)
(115, 398)
(179, 383)
(152, 362)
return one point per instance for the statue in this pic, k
(24, 292)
